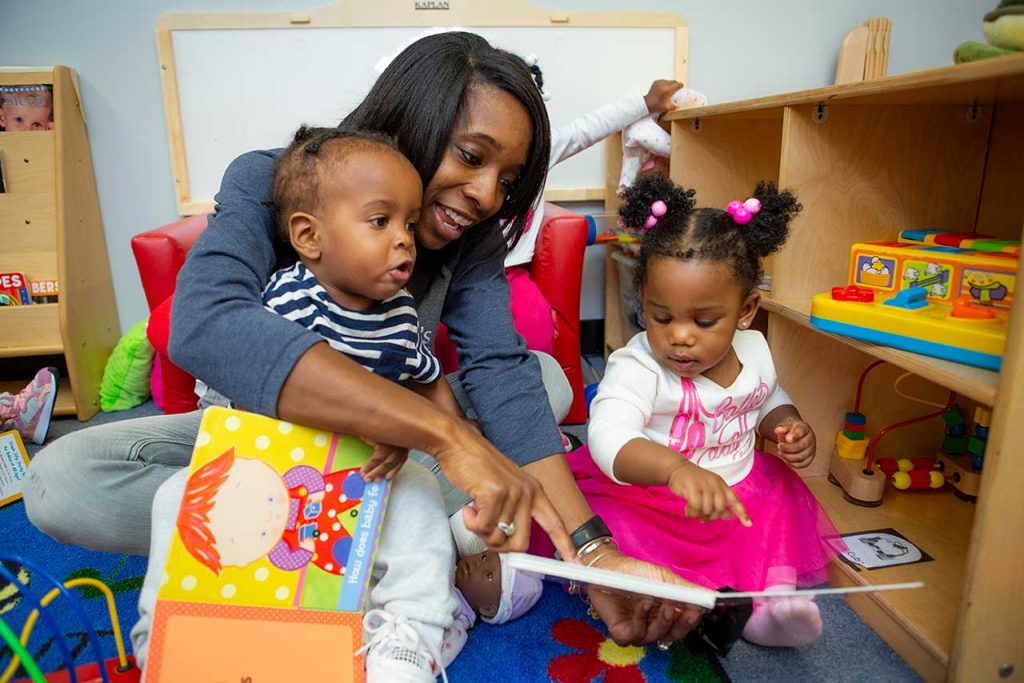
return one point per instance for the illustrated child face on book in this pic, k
(349, 205)
(22, 110)
(234, 512)
(250, 512)
(496, 591)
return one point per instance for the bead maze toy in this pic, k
(121, 669)
(962, 456)
(941, 294)
(861, 475)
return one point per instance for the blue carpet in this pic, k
(555, 641)
(122, 573)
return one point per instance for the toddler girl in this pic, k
(681, 405)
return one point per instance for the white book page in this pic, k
(691, 595)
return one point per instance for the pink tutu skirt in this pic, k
(785, 545)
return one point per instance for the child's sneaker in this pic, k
(29, 411)
(397, 652)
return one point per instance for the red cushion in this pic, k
(179, 394)
(160, 254)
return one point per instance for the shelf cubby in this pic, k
(942, 148)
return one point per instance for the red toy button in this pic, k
(853, 293)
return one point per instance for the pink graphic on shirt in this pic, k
(731, 432)
(687, 431)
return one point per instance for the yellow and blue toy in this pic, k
(941, 294)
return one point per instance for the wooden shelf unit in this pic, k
(940, 148)
(50, 228)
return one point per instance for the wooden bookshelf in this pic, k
(50, 227)
(938, 148)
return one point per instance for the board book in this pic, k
(271, 556)
(13, 466)
(691, 595)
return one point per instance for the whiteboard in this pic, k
(235, 89)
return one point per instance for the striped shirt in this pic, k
(385, 339)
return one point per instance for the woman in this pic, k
(472, 122)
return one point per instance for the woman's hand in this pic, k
(707, 496)
(385, 462)
(637, 620)
(503, 495)
(797, 444)
(659, 98)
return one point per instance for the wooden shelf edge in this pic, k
(947, 76)
(974, 383)
(41, 350)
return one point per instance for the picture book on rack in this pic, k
(13, 466)
(26, 108)
(274, 544)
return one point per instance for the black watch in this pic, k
(588, 531)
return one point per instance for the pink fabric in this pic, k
(156, 382)
(649, 523)
(531, 312)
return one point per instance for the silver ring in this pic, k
(507, 528)
(663, 646)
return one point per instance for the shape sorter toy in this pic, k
(936, 293)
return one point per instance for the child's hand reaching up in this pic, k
(797, 444)
(659, 97)
(707, 495)
(384, 463)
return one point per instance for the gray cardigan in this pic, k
(221, 334)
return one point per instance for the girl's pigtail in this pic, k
(769, 228)
(654, 201)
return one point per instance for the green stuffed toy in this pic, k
(1003, 28)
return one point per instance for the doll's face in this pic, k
(249, 512)
(479, 578)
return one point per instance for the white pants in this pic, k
(412, 569)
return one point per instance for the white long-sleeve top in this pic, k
(567, 141)
(712, 426)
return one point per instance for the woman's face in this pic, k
(485, 157)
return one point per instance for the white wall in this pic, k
(738, 49)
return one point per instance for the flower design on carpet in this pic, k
(595, 654)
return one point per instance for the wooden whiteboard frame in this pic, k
(388, 14)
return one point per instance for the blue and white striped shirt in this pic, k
(385, 339)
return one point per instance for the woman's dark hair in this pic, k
(297, 172)
(420, 96)
(686, 233)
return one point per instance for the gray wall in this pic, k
(738, 49)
